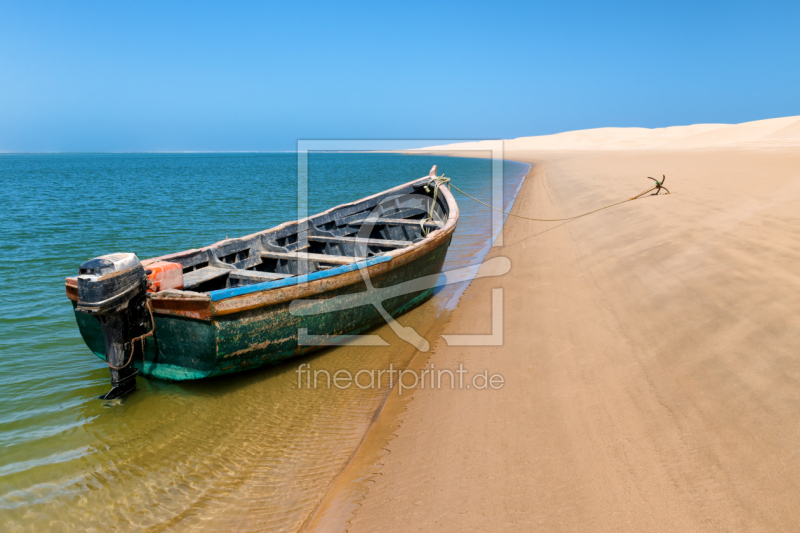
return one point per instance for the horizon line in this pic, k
(156, 152)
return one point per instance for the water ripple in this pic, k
(251, 452)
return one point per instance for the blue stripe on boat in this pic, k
(269, 285)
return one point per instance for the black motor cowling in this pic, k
(112, 288)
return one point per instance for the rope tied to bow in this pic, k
(434, 184)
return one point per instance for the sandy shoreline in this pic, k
(650, 354)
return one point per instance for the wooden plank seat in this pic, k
(358, 240)
(394, 222)
(316, 258)
(197, 277)
(257, 275)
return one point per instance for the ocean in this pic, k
(247, 452)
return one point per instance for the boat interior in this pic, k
(340, 236)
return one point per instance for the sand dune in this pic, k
(765, 133)
(651, 352)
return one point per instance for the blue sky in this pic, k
(102, 76)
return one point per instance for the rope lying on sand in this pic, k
(441, 180)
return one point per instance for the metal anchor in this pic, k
(658, 186)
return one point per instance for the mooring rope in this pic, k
(140, 338)
(436, 181)
(441, 180)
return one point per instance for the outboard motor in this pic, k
(112, 288)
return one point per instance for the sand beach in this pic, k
(650, 352)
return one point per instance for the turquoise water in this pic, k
(250, 451)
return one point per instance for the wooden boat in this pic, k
(225, 308)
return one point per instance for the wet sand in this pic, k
(651, 353)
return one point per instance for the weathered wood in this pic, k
(394, 222)
(316, 258)
(356, 240)
(247, 323)
(256, 275)
(408, 222)
(198, 277)
(383, 213)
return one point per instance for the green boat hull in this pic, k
(189, 349)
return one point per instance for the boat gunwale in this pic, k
(231, 292)
(396, 258)
(204, 306)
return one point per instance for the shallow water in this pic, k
(247, 452)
